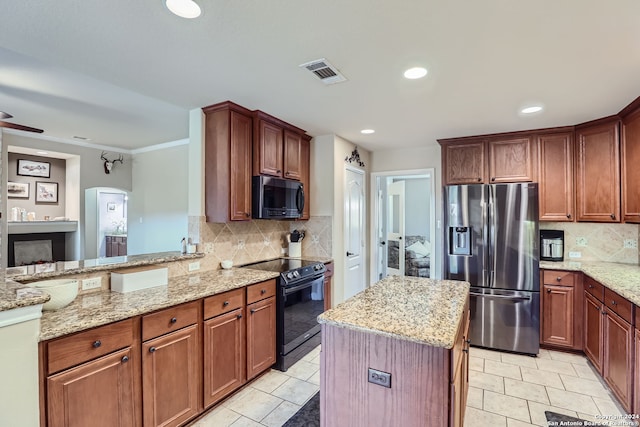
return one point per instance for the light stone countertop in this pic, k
(96, 309)
(10, 300)
(623, 279)
(426, 311)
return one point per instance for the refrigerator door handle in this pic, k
(491, 247)
(502, 297)
(485, 244)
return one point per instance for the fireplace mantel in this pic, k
(30, 227)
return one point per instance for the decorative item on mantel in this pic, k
(355, 157)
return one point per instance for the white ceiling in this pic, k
(125, 73)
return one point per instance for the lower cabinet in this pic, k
(593, 327)
(261, 331)
(170, 366)
(636, 382)
(561, 309)
(328, 278)
(618, 357)
(460, 378)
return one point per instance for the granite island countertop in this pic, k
(624, 279)
(10, 298)
(426, 311)
(99, 308)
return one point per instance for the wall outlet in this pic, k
(208, 248)
(581, 241)
(240, 244)
(193, 266)
(573, 254)
(631, 243)
(379, 378)
(266, 242)
(92, 283)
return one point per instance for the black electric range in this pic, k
(299, 301)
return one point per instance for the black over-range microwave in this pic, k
(276, 198)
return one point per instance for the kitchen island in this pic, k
(396, 354)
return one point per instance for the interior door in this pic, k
(354, 232)
(395, 228)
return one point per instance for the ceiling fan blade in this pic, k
(19, 127)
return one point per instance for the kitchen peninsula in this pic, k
(396, 354)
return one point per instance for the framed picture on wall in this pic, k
(18, 190)
(46, 192)
(31, 168)
(111, 207)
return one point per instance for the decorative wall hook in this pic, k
(108, 164)
(355, 157)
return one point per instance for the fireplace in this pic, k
(35, 248)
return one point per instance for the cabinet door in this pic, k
(292, 155)
(511, 160)
(618, 357)
(170, 386)
(630, 170)
(269, 149)
(240, 167)
(598, 173)
(261, 336)
(593, 328)
(556, 195)
(557, 315)
(464, 163)
(224, 355)
(305, 178)
(99, 393)
(636, 391)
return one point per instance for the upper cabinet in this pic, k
(277, 148)
(228, 139)
(555, 165)
(305, 178)
(488, 160)
(598, 171)
(630, 154)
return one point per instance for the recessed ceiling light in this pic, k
(42, 152)
(367, 131)
(532, 109)
(184, 8)
(415, 73)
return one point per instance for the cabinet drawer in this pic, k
(618, 305)
(72, 350)
(223, 303)
(594, 288)
(168, 320)
(261, 291)
(558, 277)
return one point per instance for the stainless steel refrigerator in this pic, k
(492, 242)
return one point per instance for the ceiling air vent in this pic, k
(322, 69)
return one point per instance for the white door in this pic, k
(354, 232)
(395, 229)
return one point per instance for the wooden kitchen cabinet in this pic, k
(305, 174)
(464, 162)
(593, 330)
(224, 345)
(630, 157)
(277, 148)
(598, 171)
(261, 327)
(84, 373)
(511, 160)
(171, 367)
(328, 278)
(556, 196)
(228, 161)
(636, 376)
(115, 246)
(618, 357)
(561, 309)
(460, 377)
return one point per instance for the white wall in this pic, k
(159, 202)
(416, 158)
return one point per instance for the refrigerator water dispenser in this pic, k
(460, 240)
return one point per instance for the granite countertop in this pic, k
(426, 311)
(96, 309)
(623, 279)
(10, 298)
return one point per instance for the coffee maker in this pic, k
(551, 245)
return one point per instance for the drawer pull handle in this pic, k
(152, 350)
(263, 291)
(174, 320)
(125, 359)
(97, 344)
(239, 316)
(226, 303)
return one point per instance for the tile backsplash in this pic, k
(249, 241)
(599, 241)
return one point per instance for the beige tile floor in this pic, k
(505, 390)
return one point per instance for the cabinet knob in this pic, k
(239, 316)
(548, 291)
(590, 286)
(174, 320)
(479, 179)
(278, 171)
(125, 359)
(247, 214)
(613, 216)
(263, 291)
(466, 350)
(468, 341)
(493, 179)
(559, 279)
(253, 310)
(152, 350)
(569, 216)
(287, 173)
(613, 302)
(97, 343)
(226, 303)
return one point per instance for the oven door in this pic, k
(301, 305)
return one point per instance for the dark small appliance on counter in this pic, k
(551, 245)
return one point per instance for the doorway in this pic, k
(105, 222)
(403, 229)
